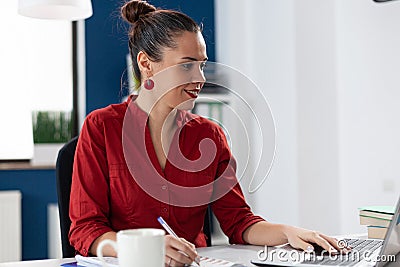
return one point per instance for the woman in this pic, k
(122, 175)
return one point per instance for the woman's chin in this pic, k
(187, 105)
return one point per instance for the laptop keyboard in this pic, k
(360, 247)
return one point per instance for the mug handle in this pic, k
(100, 247)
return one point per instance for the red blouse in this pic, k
(118, 182)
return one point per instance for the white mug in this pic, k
(137, 247)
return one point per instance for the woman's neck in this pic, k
(162, 126)
(159, 116)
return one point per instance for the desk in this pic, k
(244, 253)
(236, 253)
(37, 263)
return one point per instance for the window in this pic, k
(36, 88)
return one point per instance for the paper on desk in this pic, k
(113, 262)
(212, 262)
(96, 262)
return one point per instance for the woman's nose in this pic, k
(199, 86)
(198, 76)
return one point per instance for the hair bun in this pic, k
(132, 10)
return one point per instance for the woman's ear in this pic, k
(144, 62)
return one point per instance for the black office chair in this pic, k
(65, 162)
(207, 227)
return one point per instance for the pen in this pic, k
(171, 232)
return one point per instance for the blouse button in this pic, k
(164, 209)
(164, 187)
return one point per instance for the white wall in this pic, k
(317, 115)
(257, 38)
(330, 72)
(368, 43)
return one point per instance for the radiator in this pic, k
(10, 226)
(54, 249)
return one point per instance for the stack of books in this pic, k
(377, 219)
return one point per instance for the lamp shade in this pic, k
(56, 9)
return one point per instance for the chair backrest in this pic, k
(208, 227)
(64, 166)
(65, 162)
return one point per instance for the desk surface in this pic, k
(236, 253)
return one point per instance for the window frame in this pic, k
(78, 106)
(50, 151)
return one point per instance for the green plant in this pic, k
(51, 126)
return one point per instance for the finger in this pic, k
(317, 238)
(167, 261)
(197, 258)
(303, 245)
(184, 247)
(340, 245)
(173, 263)
(179, 257)
(187, 242)
(179, 251)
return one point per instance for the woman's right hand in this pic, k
(178, 252)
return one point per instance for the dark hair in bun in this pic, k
(133, 10)
(153, 29)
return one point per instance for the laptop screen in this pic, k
(391, 245)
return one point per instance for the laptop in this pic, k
(365, 252)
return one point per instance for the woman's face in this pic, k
(179, 76)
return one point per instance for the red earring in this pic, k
(149, 84)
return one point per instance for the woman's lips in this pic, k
(192, 93)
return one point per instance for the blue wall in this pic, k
(38, 188)
(106, 48)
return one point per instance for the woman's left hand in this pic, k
(305, 239)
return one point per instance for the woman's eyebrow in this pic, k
(194, 59)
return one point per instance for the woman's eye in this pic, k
(203, 65)
(187, 66)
